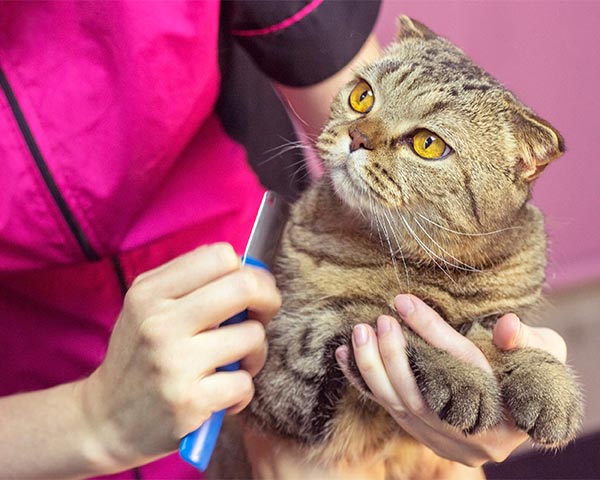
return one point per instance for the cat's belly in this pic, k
(301, 393)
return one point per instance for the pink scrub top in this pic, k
(114, 162)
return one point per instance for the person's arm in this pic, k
(158, 380)
(45, 434)
(310, 105)
(307, 48)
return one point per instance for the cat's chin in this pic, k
(349, 190)
(355, 193)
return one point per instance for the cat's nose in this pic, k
(359, 140)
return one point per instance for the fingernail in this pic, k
(360, 335)
(384, 325)
(341, 354)
(404, 305)
(518, 340)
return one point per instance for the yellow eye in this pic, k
(361, 97)
(428, 145)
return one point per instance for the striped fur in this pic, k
(458, 233)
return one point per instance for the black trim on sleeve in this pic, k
(253, 115)
(310, 50)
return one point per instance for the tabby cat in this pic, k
(429, 163)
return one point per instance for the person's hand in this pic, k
(383, 364)
(158, 380)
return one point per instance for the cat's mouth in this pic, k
(354, 190)
(356, 181)
(353, 178)
(349, 187)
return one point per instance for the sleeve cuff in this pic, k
(308, 42)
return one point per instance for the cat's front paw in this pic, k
(463, 395)
(543, 397)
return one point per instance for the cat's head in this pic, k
(423, 132)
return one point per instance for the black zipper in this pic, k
(82, 240)
(66, 212)
(118, 268)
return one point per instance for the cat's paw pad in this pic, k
(545, 401)
(462, 395)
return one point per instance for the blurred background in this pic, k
(547, 53)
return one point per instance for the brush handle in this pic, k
(197, 447)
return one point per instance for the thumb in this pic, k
(509, 333)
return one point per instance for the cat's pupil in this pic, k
(428, 142)
(364, 95)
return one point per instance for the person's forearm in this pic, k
(44, 434)
(310, 105)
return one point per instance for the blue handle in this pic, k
(197, 447)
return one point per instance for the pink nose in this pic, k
(359, 140)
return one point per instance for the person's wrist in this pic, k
(97, 437)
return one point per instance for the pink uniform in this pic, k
(113, 162)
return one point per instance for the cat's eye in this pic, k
(361, 98)
(428, 145)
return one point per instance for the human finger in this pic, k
(249, 288)
(406, 405)
(426, 323)
(190, 271)
(216, 392)
(371, 368)
(414, 416)
(255, 361)
(510, 333)
(231, 343)
(388, 388)
(392, 346)
(424, 425)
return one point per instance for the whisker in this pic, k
(286, 144)
(391, 249)
(284, 149)
(465, 266)
(308, 137)
(295, 176)
(430, 253)
(393, 254)
(377, 222)
(379, 227)
(291, 107)
(467, 234)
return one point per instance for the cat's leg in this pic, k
(461, 394)
(538, 390)
(301, 383)
(303, 422)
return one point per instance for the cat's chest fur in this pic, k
(330, 259)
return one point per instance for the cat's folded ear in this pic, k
(409, 28)
(539, 143)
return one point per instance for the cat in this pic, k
(429, 163)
